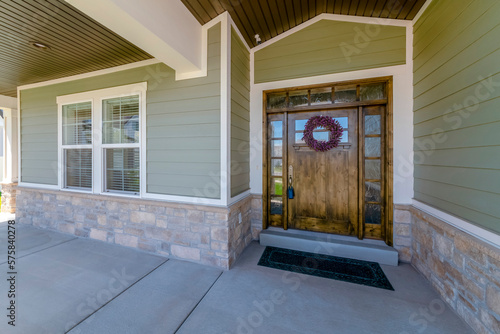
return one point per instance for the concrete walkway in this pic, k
(67, 284)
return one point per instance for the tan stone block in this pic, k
(401, 216)
(68, 211)
(180, 212)
(98, 234)
(66, 228)
(162, 223)
(115, 223)
(219, 246)
(195, 216)
(159, 234)
(221, 216)
(474, 288)
(453, 273)
(471, 319)
(466, 244)
(421, 233)
(205, 240)
(467, 303)
(202, 229)
(402, 241)
(458, 259)
(176, 223)
(156, 209)
(493, 298)
(490, 320)
(444, 246)
(147, 247)
(210, 260)
(402, 230)
(187, 253)
(220, 234)
(404, 254)
(224, 263)
(134, 231)
(437, 267)
(126, 240)
(90, 216)
(101, 219)
(256, 204)
(141, 217)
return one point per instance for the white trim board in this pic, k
(147, 196)
(239, 197)
(334, 17)
(421, 11)
(8, 102)
(459, 223)
(37, 186)
(90, 74)
(225, 108)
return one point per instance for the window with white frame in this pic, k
(100, 140)
(77, 145)
(120, 143)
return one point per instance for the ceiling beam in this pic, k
(163, 28)
(8, 102)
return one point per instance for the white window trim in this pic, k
(61, 158)
(96, 97)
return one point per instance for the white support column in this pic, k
(10, 146)
(225, 109)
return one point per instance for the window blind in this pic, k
(122, 169)
(77, 124)
(78, 164)
(120, 118)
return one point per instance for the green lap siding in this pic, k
(456, 101)
(240, 116)
(182, 119)
(331, 47)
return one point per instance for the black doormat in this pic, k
(338, 268)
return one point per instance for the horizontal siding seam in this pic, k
(445, 61)
(454, 74)
(458, 129)
(453, 111)
(457, 148)
(461, 205)
(458, 186)
(416, 41)
(339, 58)
(458, 91)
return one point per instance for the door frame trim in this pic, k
(387, 228)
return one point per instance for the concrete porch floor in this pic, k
(68, 284)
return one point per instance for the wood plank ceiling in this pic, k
(77, 43)
(269, 18)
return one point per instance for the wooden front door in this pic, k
(346, 190)
(325, 183)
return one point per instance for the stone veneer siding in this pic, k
(203, 234)
(9, 197)
(256, 216)
(463, 269)
(402, 231)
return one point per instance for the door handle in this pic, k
(290, 190)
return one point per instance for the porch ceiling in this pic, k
(269, 18)
(77, 43)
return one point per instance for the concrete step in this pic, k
(330, 244)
